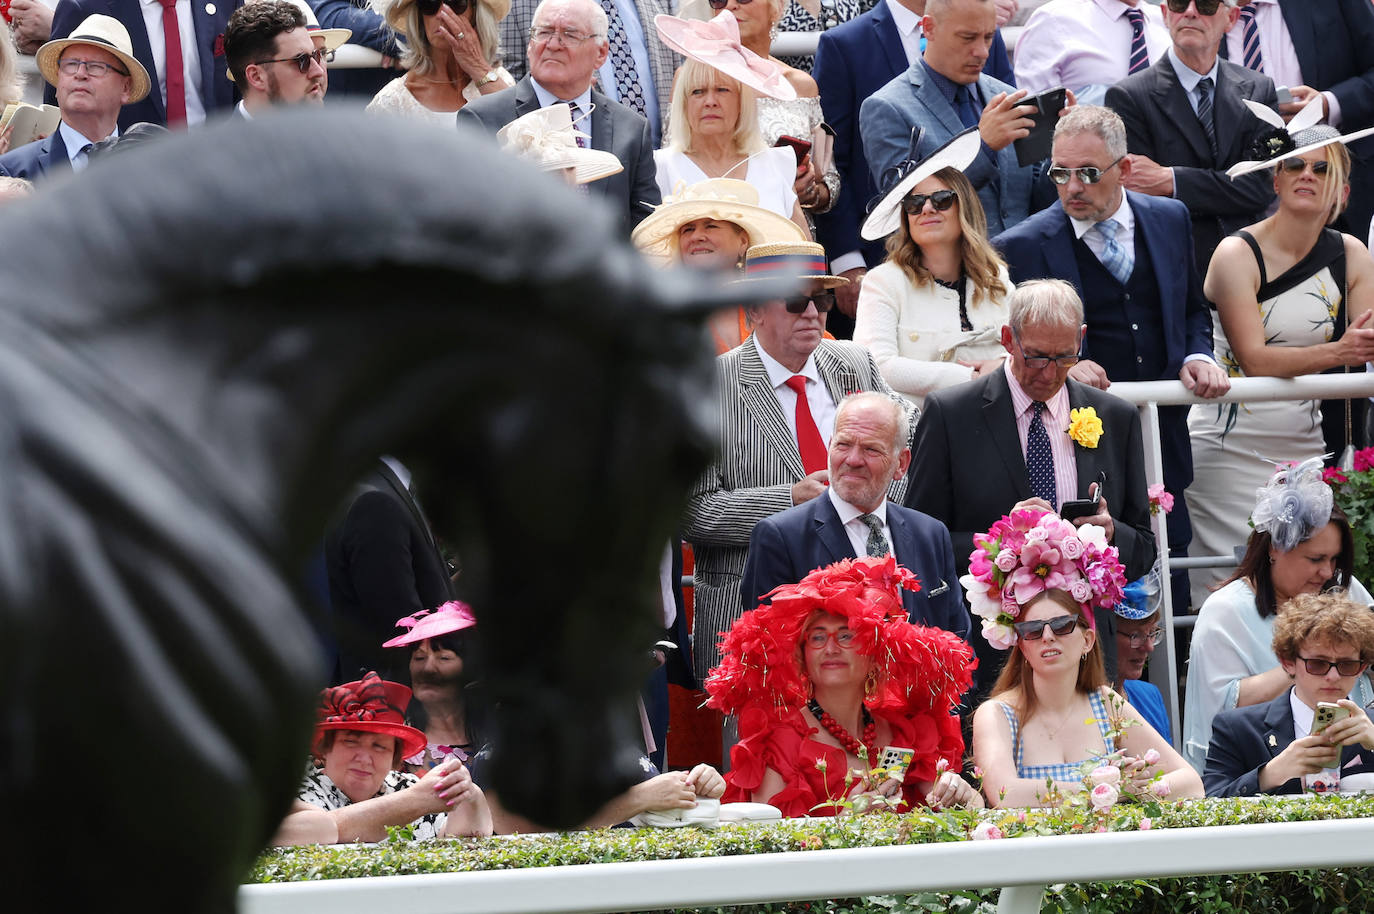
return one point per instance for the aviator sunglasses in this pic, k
(1034, 631)
(722, 4)
(431, 7)
(1295, 164)
(912, 204)
(1088, 174)
(823, 301)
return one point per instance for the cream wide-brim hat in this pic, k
(106, 33)
(547, 139)
(722, 199)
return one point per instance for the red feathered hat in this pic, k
(372, 705)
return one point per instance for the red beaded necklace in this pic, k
(851, 745)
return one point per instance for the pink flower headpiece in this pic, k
(1030, 551)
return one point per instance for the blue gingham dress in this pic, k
(1062, 771)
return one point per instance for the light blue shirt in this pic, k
(639, 49)
(76, 144)
(1188, 78)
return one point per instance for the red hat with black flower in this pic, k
(372, 705)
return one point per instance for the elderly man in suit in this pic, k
(180, 43)
(1002, 441)
(852, 62)
(777, 391)
(566, 48)
(946, 92)
(869, 450)
(1129, 256)
(1181, 144)
(95, 75)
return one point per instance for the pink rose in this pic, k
(998, 635)
(1071, 547)
(1006, 560)
(1037, 535)
(1151, 757)
(941, 766)
(1080, 589)
(986, 831)
(1161, 788)
(1104, 796)
(1106, 774)
(1146, 824)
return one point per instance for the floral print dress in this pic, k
(318, 789)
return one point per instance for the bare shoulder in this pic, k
(801, 81)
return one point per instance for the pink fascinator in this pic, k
(453, 616)
(716, 44)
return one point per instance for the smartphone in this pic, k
(896, 760)
(1035, 147)
(1284, 96)
(1083, 507)
(801, 147)
(1327, 713)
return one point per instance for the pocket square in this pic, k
(1355, 761)
(936, 591)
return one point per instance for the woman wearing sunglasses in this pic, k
(451, 56)
(1310, 736)
(1293, 297)
(829, 680)
(1034, 578)
(932, 313)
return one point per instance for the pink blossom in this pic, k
(1364, 459)
(1021, 816)
(977, 772)
(1160, 498)
(1006, 560)
(1104, 796)
(999, 635)
(1333, 475)
(1093, 535)
(941, 766)
(1106, 774)
(978, 564)
(983, 600)
(1151, 757)
(1071, 547)
(986, 831)
(1080, 589)
(1161, 788)
(1146, 824)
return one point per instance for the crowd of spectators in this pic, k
(1129, 192)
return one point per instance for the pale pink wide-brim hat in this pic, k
(451, 617)
(716, 44)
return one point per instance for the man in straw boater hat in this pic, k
(276, 52)
(95, 75)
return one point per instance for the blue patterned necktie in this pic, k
(1250, 40)
(1140, 54)
(1118, 261)
(965, 107)
(1039, 458)
(627, 84)
(877, 543)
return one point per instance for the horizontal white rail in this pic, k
(1307, 387)
(1014, 862)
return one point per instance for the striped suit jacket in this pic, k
(752, 477)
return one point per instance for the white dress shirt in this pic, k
(190, 55)
(908, 28)
(855, 529)
(1084, 45)
(817, 395)
(76, 144)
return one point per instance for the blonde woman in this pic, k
(451, 56)
(11, 81)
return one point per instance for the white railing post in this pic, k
(1163, 669)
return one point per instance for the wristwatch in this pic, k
(490, 77)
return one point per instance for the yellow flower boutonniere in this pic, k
(1084, 426)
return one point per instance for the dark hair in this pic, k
(1254, 565)
(1016, 677)
(252, 34)
(463, 644)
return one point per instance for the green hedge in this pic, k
(1317, 890)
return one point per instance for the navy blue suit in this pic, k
(34, 160)
(1244, 740)
(853, 61)
(785, 547)
(217, 91)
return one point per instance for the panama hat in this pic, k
(372, 705)
(722, 199)
(789, 260)
(453, 616)
(103, 32)
(716, 43)
(1303, 134)
(885, 217)
(547, 139)
(333, 38)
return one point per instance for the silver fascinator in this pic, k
(1294, 503)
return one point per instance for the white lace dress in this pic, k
(797, 118)
(396, 98)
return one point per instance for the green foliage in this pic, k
(1354, 490)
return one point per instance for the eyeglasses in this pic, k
(1088, 174)
(823, 301)
(431, 7)
(1140, 639)
(94, 68)
(543, 35)
(912, 204)
(1038, 362)
(1295, 164)
(304, 59)
(1204, 7)
(816, 638)
(1034, 631)
(1345, 667)
(722, 4)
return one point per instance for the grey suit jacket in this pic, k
(913, 100)
(1161, 124)
(615, 129)
(752, 477)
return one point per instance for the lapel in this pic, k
(1278, 725)
(603, 138)
(830, 532)
(1230, 111)
(53, 154)
(205, 27)
(130, 13)
(886, 36)
(1000, 420)
(839, 378)
(1161, 245)
(1086, 460)
(761, 403)
(1058, 248)
(1173, 100)
(408, 500)
(525, 99)
(929, 97)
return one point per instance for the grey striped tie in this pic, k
(1204, 111)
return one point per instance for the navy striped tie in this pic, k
(1204, 111)
(1140, 55)
(1250, 40)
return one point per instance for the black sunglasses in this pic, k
(1034, 631)
(1345, 667)
(431, 7)
(1204, 7)
(722, 4)
(304, 59)
(1088, 174)
(912, 204)
(1295, 164)
(824, 301)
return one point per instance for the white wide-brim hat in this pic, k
(716, 43)
(1282, 141)
(721, 199)
(333, 38)
(886, 216)
(546, 139)
(106, 33)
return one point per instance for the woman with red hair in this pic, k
(830, 682)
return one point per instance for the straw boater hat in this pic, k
(372, 705)
(722, 199)
(1302, 134)
(453, 616)
(886, 216)
(716, 43)
(546, 138)
(333, 38)
(102, 32)
(789, 260)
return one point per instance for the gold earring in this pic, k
(871, 684)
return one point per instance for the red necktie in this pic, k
(176, 78)
(809, 442)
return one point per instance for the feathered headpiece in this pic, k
(1304, 133)
(1294, 503)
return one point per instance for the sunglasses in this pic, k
(912, 204)
(1295, 164)
(823, 301)
(1344, 667)
(304, 59)
(1204, 7)
(722, 4)
(1088, 174)
(431, 7)
(1034, 631)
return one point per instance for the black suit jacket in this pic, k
(1244, 740)
(383, 565)
(615, 129)
(1160, 124)
(784, 548)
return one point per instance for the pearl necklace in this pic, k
(851, 745)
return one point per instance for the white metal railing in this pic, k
(1021, 867)
(1147, 396)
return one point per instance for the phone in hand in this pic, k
(802, 148)
(1327, 713)
(1284, 96)
(896, 760)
